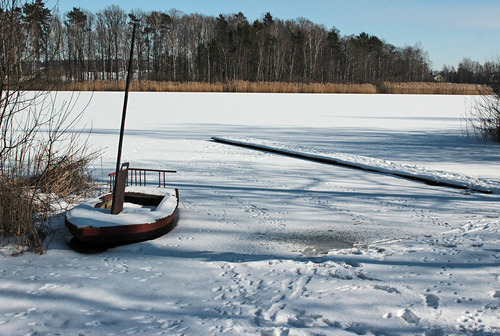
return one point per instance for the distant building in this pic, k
(439, 78)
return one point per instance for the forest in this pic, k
(79, 46)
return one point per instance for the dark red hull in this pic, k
(122, 234)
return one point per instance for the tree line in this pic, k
(172, 46)
(473, 72)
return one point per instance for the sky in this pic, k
(449, 30)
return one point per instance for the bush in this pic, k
(483, 115)
(28, 203)
(43, 168)
(43, 164)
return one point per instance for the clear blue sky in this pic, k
(448, 30)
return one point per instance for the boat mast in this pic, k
(122, 127)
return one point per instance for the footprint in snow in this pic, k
(142, 319)
(94, 323)
(170, 324)
(141, 279)
(409, 316)
(216, 289)
(221, 296)
(306, 321)
(432, 301)
(387, 289)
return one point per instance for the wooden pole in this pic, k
(122, 127)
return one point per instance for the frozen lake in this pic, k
(272, 245)
(240, 197)
(417, 129)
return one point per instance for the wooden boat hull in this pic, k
(122, 234)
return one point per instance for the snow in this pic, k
(86, 215)
(272, 245)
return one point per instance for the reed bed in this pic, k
(233, 86)
(432, 88)
(281, 87)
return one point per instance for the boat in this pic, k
(148, 213)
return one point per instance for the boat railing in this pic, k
(142, 177)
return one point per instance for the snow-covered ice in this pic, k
(272, 245)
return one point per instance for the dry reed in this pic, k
(27, 204)
(281, 87)
(431, 88)
(233, 86)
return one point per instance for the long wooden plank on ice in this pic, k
(333, 161)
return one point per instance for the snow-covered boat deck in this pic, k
(87, 215)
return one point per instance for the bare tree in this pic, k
(314, 36)
(157, 25)
(483, 114)
(115, 20)
(41, 160)
(76, 25)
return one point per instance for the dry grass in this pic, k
(234, 86)
(16, 215)
(431, 88)
(27, 204)
(281, 87)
